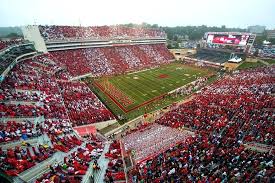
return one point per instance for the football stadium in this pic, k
(112, 104)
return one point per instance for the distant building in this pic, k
(186, 37)
(271, 34)
(256, 29)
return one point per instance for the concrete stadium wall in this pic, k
(103, 124)
(32, 33)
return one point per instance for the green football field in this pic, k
(250, 65)
(133, 91)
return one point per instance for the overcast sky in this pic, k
(232, 13)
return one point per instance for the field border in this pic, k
(121, 106)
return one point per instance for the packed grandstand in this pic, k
(52, 121)
(51, 33)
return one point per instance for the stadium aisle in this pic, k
(43, 167)
(103, 162)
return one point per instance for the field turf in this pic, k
(270, 61)
(250, 65)
(133, 91)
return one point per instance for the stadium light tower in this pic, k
(79, 21)
(34, 21)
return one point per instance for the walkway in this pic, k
(103, 163)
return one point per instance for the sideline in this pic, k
(151, 117)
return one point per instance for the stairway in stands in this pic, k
(103, 163)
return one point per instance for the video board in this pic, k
(230, 39)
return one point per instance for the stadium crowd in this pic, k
(207, 159)
(45, 109)
(57, 127)
(8, 43)
(35, 91)
(8, 56)
(53, 32)
(74, 166)
(115, 170)
(82, 105)
(191, 87)
(149, 141)
(111, 60)
(16, 160)
(12, 131)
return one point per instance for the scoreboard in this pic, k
(227, 38)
